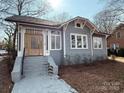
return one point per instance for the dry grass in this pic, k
(5, 78)
(102, 77)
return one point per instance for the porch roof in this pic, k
(32, 20)
(51, 24)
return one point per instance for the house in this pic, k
(116, 39)
(75, 41)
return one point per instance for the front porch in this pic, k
(35, 41)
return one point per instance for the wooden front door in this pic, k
(33, 43)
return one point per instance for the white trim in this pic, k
(64, 46)
(91, 38)
(22, 31)
(84, 24)
(44, 45)
(75, 34)
(101, 42)
(64, 41)
(55, 41)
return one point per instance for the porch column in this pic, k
(46, 44)
(20, 44)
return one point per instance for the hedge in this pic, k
(119, 52)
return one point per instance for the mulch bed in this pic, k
(102, 77)
(5, 78)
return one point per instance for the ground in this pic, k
(5, 78)
(102, 77)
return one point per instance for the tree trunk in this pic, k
(14, 42)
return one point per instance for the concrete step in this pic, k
(38, 69)
(30, 74)
(35, 66)
(36, 59)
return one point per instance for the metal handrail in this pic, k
(23, 61)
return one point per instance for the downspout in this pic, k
(106, 44)
(92, 52)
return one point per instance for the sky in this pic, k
(84, 8)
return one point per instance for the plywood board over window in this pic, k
(33, 42)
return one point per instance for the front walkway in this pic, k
(42, 84)
(37, 80)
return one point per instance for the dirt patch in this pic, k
(5, 78)
(101, 77)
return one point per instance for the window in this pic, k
(118, 35)
(78, 24)
(97, 42)
(79, 41)
(55, 40)
(73, 41)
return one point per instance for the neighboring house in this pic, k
(73, 42)
(116, 39)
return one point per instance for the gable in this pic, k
(84, 22)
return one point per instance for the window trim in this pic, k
(55, 41)
(97, 45)
(76, 34)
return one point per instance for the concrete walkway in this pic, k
(42, 84)
(37, 80)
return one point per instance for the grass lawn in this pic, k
(102, 77)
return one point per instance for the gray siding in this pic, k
(76, 56)
(57, 56)
(99, 54)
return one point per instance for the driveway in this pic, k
(42, 84)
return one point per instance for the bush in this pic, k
(112, 52)
(121, 52)
(117, 52)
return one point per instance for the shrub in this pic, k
(121, 52)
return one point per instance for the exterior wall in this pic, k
(99, 54)
(57, 56)
(77, 56)
(114, 40)
(73, 56)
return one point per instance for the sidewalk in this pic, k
(42, 84)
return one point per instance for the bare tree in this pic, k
(61, 17)
(106, 21)
(113, 13)
(21, 7)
